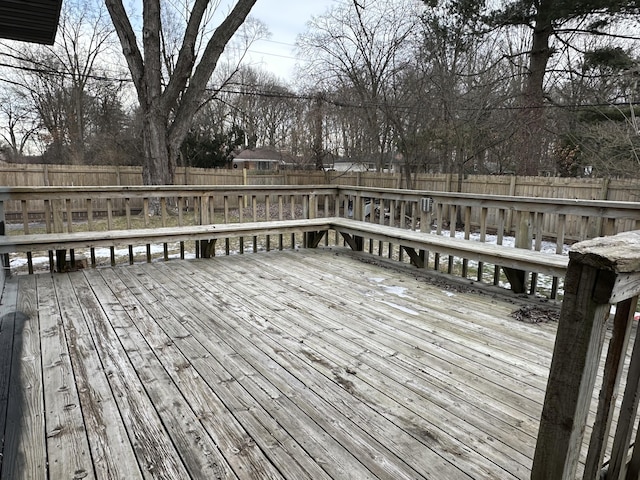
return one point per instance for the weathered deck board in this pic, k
(292, 379)
(112, 452)
(7, 336)
(407, 379)
(24, 454)
(274, 365)
(67, 442)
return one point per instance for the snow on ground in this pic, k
(102, 255)
(544, 282)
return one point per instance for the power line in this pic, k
(251, 90)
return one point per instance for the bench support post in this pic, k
(417, 258)
(314, 238)
(207, 248)
(61, 260)
(517, 279)
(355, 242)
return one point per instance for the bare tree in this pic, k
(168, 107)
(553, 26)
(359, 47)
(19, 124)
(59, 78)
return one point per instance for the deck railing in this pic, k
(484, 217)
(602, 272)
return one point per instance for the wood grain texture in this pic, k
(67, 444)
(280, 365)
(24, 449)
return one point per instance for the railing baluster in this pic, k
(292, 201)
(145, 214)
(6, 265)
(280, 217)
(227, 241)
(92, 250)
(483, 238)
(267, 213)
(254, 204)
(181, 223)
(614, 364)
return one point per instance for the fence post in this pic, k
(601, 272)
(604, 193)
(46, 175)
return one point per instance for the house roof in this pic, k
(34, 21)
(261, 154)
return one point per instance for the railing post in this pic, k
(601, 272)
(4, 258)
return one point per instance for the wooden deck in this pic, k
(295, 364)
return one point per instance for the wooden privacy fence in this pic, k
(619, 189)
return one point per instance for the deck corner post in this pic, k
(577, 351)
(601, 272)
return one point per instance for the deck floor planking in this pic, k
(295, 364)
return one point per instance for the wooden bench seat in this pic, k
(412, 242)
(512, 260)
(314, 229)
(116, 238)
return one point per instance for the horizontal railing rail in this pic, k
(519, 221)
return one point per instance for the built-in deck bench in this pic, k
(514, 261)
(314, 229)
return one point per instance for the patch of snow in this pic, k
(401, 308)
(377, 279)
(399, 291)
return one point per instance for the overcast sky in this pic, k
(286, 19)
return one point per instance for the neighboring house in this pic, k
(260, 159)
(344, 165)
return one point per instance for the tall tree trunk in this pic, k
(532, 128)
(317, 117)
(157, 168)
(182, 96)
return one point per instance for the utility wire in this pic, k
(251, 90)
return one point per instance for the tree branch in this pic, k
(191, 98)
(129, 43)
